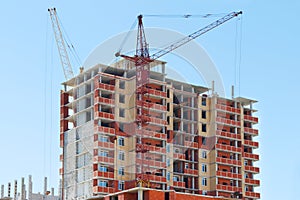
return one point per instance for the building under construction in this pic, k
(194, 141)
(128, 131)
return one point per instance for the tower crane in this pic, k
(142, 61)
(63, 54)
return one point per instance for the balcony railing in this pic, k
(157, 121)
(191, 171)
(229, 188)
(228, 135)
(229, 175)
(191, 144)
(252, 195)
(251, 156)
(98, 174)
(250, 118)
(106, 86)
(157, 93)
(151, 148)
(228, 121)
(103, 129)
(105, 115)
(152, 163)
(252, 181)
(251, 131)
(179, 184)
(152, 134)
(228, 109)
(105, 100)
(108, 145)
(251, 143)
(228, 161)
(252, 169)
(179, 156)
(103, 159)
(228, 148)
(152, 106)
(99, 189)
(154, 178)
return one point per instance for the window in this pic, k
(204, 168)
(203, 101)
(204, 192)
(168, 176)
(103, 168)
(103, 183)
(246, 162)
(204, 181)
(121, 141)
(121, 112)
(203, 127)
(103, 153)
(103, 138)
(121, 171)
(168, 148)
(204, 154)
(204, 140)
(122, 84)
(175, 178)
(122, 98)
(168, 162)
(121, 155)
(203, 114)
(186, 165)
(121, 185)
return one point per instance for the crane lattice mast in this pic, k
(63, 54)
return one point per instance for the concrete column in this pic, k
(2, 191)
(30, 187)
(140, 194)
(16, 190)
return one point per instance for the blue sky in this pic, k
(31, 75)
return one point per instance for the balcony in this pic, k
(228, 121)
(99, 189)
(152, 134)
(251, 143)
(228, 188)
(103, 159)
(152, 163)
(107, 145)
(154, 106)
(228, 135)
(252, 182)
(250, 118)
(228, 109)
(105, 115)
(251, 156)
(154, 178)
(228, 148)
(151, 148)
(103, 129)
(157, 93)
(229, 175)
(99, 174)
(193, 172)
(179, 156)
(252, 195)
(251, 131)
(107, 87)
(191, 144)
(227, 161)
(157, 121)
(252, 169)
(179, 184)
(105, 101)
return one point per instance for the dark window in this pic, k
(122, 112)
(122, 85)
(203, 114)
(203, 101)
(122, 98)
(203, 127)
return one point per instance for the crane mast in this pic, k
(142, 62)
(64, 58)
